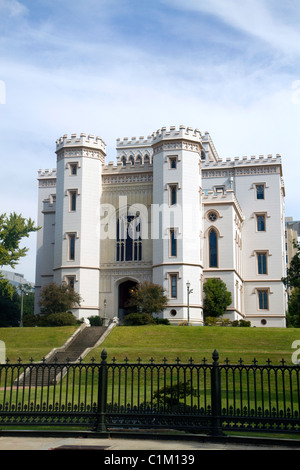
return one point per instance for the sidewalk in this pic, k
(132, 444)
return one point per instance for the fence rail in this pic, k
(194, 397)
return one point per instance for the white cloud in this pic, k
(13, 8)
(58, 83)
(269, 21)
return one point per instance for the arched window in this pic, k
(213, 248)
(124, 161)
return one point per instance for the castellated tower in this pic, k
(77, 222)
(177, 220)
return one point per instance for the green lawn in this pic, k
(161, 341)
(198, 342)
(27, 343)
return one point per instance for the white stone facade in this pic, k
(170, 211)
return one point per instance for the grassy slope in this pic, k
(33, 342)
(161, 341)
(198, 342)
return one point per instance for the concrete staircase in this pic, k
(72, 352)
(51, 371)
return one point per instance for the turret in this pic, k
(77, 223)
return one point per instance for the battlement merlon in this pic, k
(161, 134)
(90, 142)
(183, 133)
(244, 161)
(222, 197)
(47, 174)
(134, 142)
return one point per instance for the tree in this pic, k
(55, 298)
(217, 298)
(293, 313)
(148, 297)
(10, 305)
(10, 308)
(292, 284)
(293, 275)
(13, 229)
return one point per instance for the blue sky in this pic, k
(117, 68)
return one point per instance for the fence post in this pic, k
(102, 393)
(216, 403)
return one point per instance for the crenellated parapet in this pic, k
(184, 138)
(237, 161)
(80, 146)
(242, 166)
(47, 178)
(211, 197)
(134, 151)
(183, 132)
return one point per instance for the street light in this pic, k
(189, 291)
(104, 304)
(23, 291)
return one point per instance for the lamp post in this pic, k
(104, 304)
(23, 291)
(189, 291)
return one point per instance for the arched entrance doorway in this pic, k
(125, 289)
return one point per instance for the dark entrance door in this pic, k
(124, 294)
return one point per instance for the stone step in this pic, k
(40, 374)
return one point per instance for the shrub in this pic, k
(135, 319)
(95, 320)
(162, 321)
(241, 323)
(60, 319)
(210, 321)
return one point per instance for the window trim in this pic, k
(173, 242)
(72, 193)
(69, 279)
(213, 229)
(256, 185)
(257, 254)
(257, 215)
(72, 166)
(171, 277)
(71, 237)
(136, 244)
(171, 159)
(265, 290)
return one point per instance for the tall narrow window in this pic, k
(172, 163)
(73, 196)
(173, 243)
(73, 168)
(263, 299)
(71, 239)
(173, 285)
(260, 191)
(261, 222)
(71, 281)
(173, 195)
(262, 263)
(213, 249)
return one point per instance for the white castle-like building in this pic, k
(169, 211)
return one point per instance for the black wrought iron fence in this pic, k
(195, 397)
